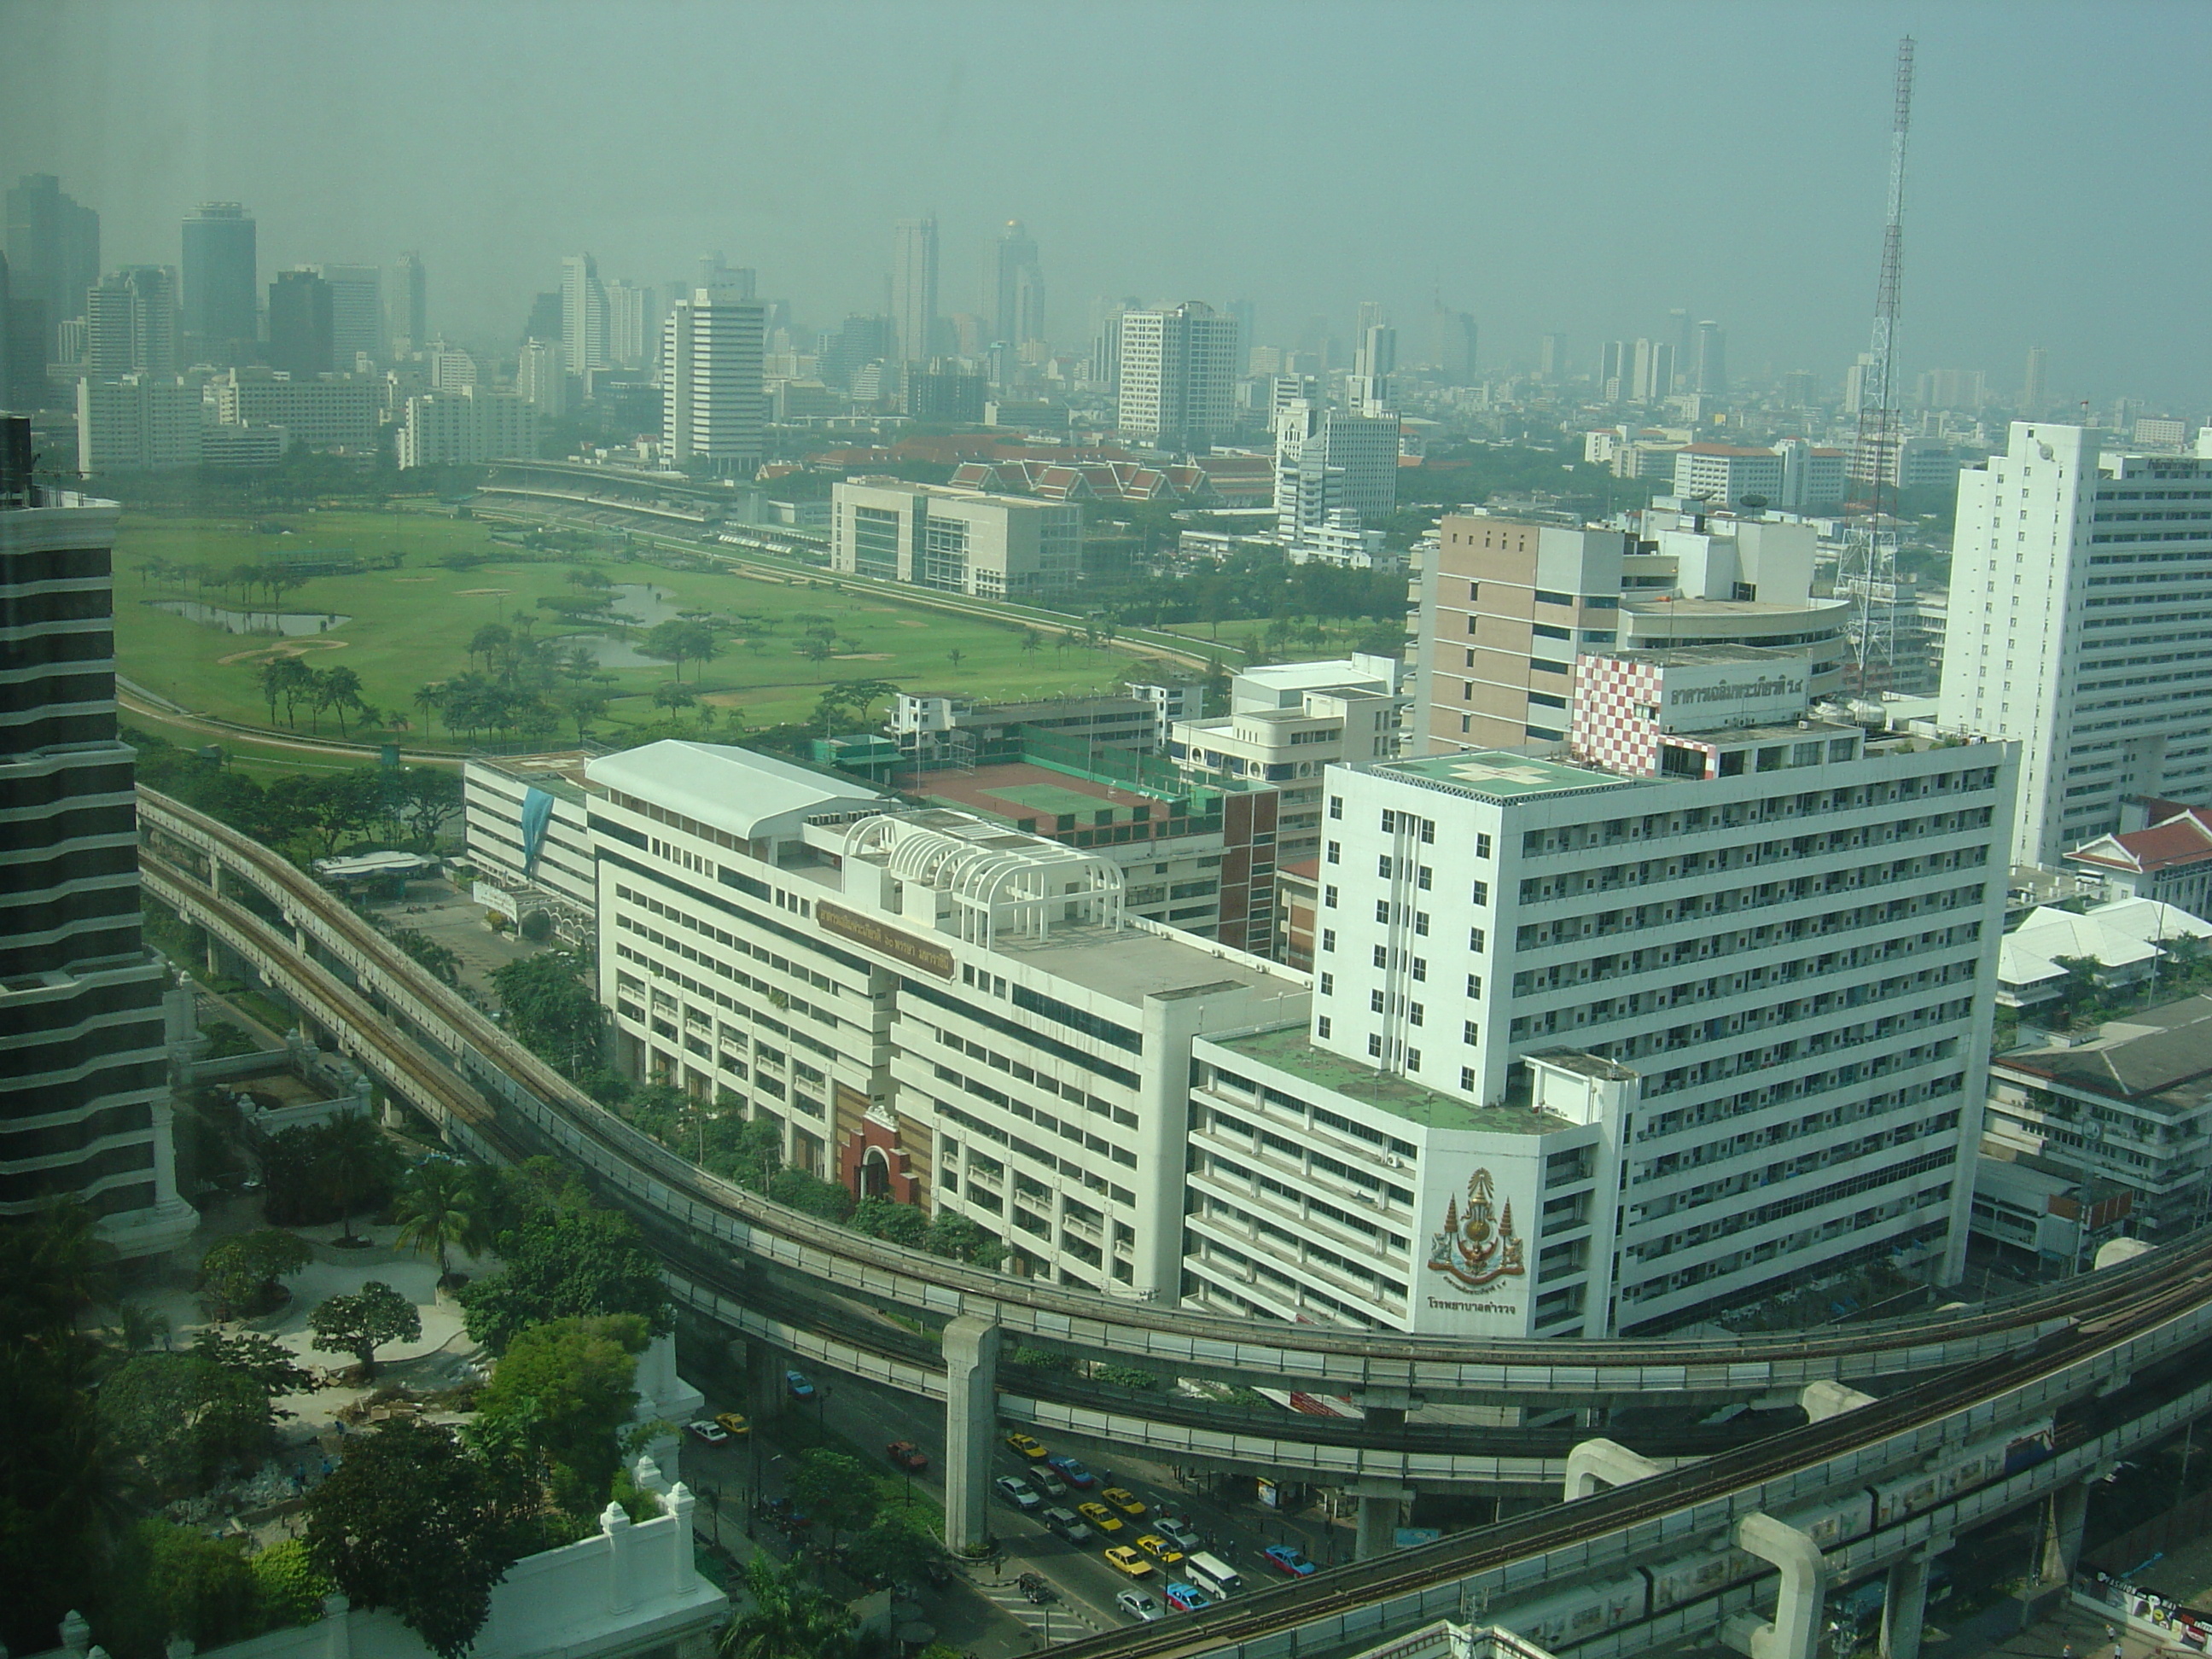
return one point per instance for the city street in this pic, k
(985, 1612)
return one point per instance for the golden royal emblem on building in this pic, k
(1478, 1246)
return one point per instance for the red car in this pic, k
(908, 1455)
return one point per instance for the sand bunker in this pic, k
(299, 648)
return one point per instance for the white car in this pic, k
(1138, 1605)
(711, 1432)
(1017, 1492)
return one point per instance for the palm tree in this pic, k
(355, 1160)
(788, 1619)
(338, 690)
(426, 698)
(437, 1212)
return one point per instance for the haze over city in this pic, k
(1576, 168)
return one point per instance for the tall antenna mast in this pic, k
(1870, 544)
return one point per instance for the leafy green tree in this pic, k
(835, 1489)
(267, 1363)
(428, 800)
(550, 1011)
(290, 1585)
(568, 1385)
(338, 690)
(364, 1321)
(886, 1218)
(413, 1521)
(564, 1263)
(809, 1192)
(673, 697)
(168, 1580)
(956, 1236)
(786, 1618)
(891, 1553)
(184, 1417)
(244, 1272)
(438, 1213)
(441, 961)
(354, 1163)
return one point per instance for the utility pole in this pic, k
(1870, 543)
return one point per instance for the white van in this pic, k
(1210, 1572)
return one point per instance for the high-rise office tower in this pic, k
(1246, 314)
(1451, 345)
(84, 1087)
(407, 306)
(1551, 358)
(54, 253)
(913, 287)
(583, 316)
(2035, 384)
(1684, 339)
(357, 313)
(1336, 471)
(301, 328)
(856, 341)
(1177, 373)
(1652, 373)
(1016, 287)
(634, 319)
(711, 409)
(542, 377)
(2070, 572)
(1709, 367)
(222, 284)
(1374, 361)
(742, 282)
(131, 323)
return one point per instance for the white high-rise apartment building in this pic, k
(466, 428)
(1334, 471)
(632, 324)
(2080, 583)
(1373, 362)
(712, 405)
(583, 315)
(1178, 371)
(1607, 1041)
(138, 424)
(913, 288)
(541, 375)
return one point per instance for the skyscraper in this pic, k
(53, 253)
(1451, 345)
(2029, 654)
(407, 316)
(742, 281)
(711, 409)
(1709, 368)
(222, 284)
(131, 323)
(1374, 361)
(300, 325)
(913, 287)
(84, 1096)
(1018, 286)
(583, 316)
(1177, 376)
(542, 378)
(1652, 374)
(2035, 384)
(1551, 358)
(357, 313)
(634, 319)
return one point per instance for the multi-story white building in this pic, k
(632, 324)
(1725, 474)
(958, 541)
(1287, 726)
(466, 428)
(541, 377)
(1334, 472)
(583, 315)
(932, 1006)
(529, 835)
(712, 406)
(140, 423)
(1609, 1041)
(2081, 587)
(324, 411)
(1177, 373)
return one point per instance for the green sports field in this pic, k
(411, 625)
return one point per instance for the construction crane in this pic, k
(1869, 566)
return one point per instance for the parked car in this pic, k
(1159, 1549)
(1017, 1492)
(1288, 1561)
(1073, 1471)
(1124, 1500)
(797, 1383)
(708, 1431)
(1122, 1558)
(1185, 1598)
(1138, 1605)
(1068, 1524)
(907, 1455)
(1026, 1445)
(1100, 1516)
(734, 1422)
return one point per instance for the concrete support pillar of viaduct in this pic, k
(1594, 1463)
(2062, 1539)
(1905, 1603)
(971, 1417)
(1380, 1504)
(1385, 1408)
(1794, 1631)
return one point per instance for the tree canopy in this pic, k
(368, 1319)
(567, 1263)
(566, 1387)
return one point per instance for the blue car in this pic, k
(1185, 1598)
(1288, 1561)
(797, 1382)
(1072, 1470)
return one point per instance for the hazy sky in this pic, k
(1546, 164)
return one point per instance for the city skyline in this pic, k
(1991, 270)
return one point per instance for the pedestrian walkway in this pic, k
(1057, 1620)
